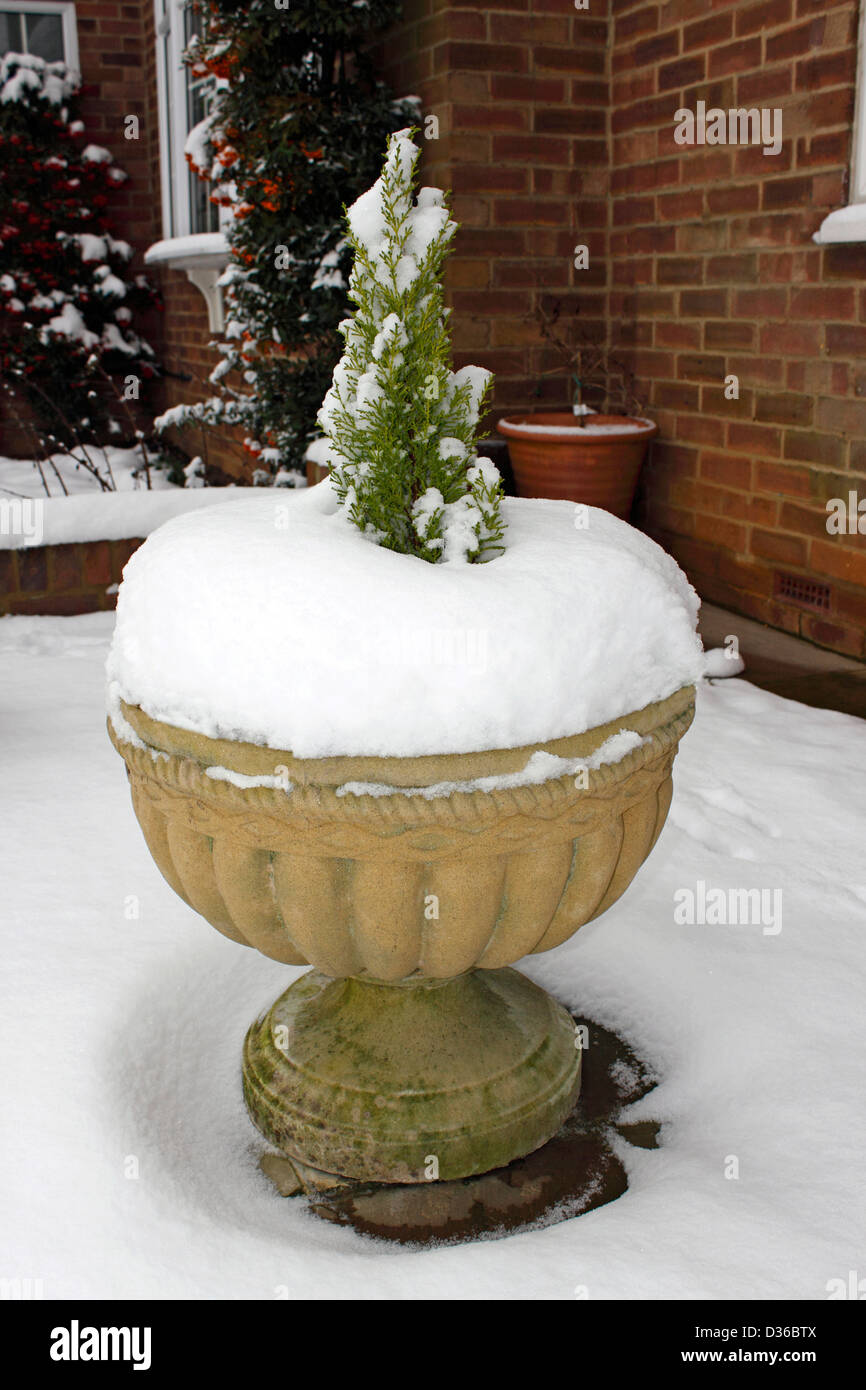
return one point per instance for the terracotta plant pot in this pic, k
(559, 458)
(410, 1052)
(316, 472)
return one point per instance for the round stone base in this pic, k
(412, 1082)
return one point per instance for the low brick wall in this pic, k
(62, 579)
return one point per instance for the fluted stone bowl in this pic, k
(410, 1051)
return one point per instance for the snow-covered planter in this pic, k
(431, 772)
(445, 762)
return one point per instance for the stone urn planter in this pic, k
(597, 463)
(411, 1050)
(406, 731)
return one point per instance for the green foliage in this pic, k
(67, 300)
(295, 134)
(401, 424)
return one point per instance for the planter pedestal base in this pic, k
(413, 1081)
(574, 1172)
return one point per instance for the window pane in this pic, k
(10, 33)
(44, 34)
(193, 23)
(204, 215)
(166, 137)
(200, 94)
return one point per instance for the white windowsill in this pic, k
(185, 252)
(204, 256)
(845, 224)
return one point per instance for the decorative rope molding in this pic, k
(273, 818)
(343, 882)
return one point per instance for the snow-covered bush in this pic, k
(297, 125)
(67, 301)
(400, 423)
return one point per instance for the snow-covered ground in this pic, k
(128, 1164)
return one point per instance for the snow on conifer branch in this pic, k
(400, 424)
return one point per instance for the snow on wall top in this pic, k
(97, 516)
(274, 621)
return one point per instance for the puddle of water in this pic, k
(574, 1172)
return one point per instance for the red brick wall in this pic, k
(62, 579)
(188, 362)
(557, 129)
(520, 89)
(116, 48)
(713, 272)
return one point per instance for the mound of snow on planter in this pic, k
(275, 621)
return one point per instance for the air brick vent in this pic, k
(806, 593)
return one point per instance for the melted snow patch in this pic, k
(541, 767)
(243, 779)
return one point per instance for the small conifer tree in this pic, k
(400, 424)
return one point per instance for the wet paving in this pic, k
(574, 1172)
(844, 691)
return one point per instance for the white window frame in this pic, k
(64, 8)
(203, 255)
(172, 91)
(849, 223)
(857, 193)
(171, 98)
